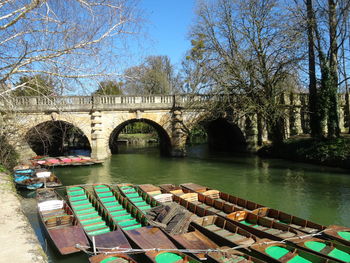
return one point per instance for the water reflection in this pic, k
(308, 191)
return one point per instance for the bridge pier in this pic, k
(178, 136)
(99, 145)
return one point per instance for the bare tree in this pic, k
(251, 50)
(68, 40)
(155, 75)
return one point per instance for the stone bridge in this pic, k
(101, 118)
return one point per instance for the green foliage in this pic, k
(138, 127)
(332, 152)
(198, 135)
(38, 85)
(110, 87)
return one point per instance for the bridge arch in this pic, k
(222, 133)
(164, 138)
(56, 137)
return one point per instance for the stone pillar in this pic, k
(295, 115)
(178, 136)
(251, 132)
(285, 100)
(99, 149)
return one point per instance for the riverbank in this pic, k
(18, 240)
(329, 152)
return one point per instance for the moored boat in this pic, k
(77, 160)
(325, 248)
(59, 222)
(157, 245)
(338, 233)
(211, 232)
(37, 178)
(135, 225)
(284, 253)
(103, 234)
(126, 216)
(213, 200)
(246, 234)
(110, 258)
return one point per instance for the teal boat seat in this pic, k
(99, 232)
(132, 227)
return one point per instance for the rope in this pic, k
(192, 251)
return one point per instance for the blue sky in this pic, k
(167, 26)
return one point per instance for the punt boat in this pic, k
(110, 258)
(220, 202)
(59, 222)
(259, 226)
(325, 248)
(97, 224)
(136, 227)
(36, 178)
(187, 239)
(284, 253)
(226, 233)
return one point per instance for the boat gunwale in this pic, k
(75, 222)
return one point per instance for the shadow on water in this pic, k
(308, 191)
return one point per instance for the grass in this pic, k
(330, 152)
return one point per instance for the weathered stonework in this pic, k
(99, 117)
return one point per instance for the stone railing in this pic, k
(128, 102)
(102, 102)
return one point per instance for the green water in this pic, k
(312, 192)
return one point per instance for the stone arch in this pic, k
(164, 138)
(48, 137)
(223, 133)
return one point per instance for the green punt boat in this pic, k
(286, 253)
(142, 202)
(135, 226)
(122, 213)
(96, 222)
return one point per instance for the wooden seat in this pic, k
(51, 222)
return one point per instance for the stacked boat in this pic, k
(72, 160)
(185, 223)
(30, 178)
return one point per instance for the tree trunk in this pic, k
(333, 117)
(315, 118)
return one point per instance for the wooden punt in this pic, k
(264, 228)
(219, 203)
(285, 253)
(225, 204)
(110, 258)
(123, 214)
(35, 180)
(135, 226)
(338, 233)
(59, 222)
(325, 248)
(219, 231)
(152, 238)
(96, 222)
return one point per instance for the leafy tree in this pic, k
(39, 85)
(110, 87)
(154, 76)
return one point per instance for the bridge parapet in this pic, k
(100, 102)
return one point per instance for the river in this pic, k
(313, 192)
